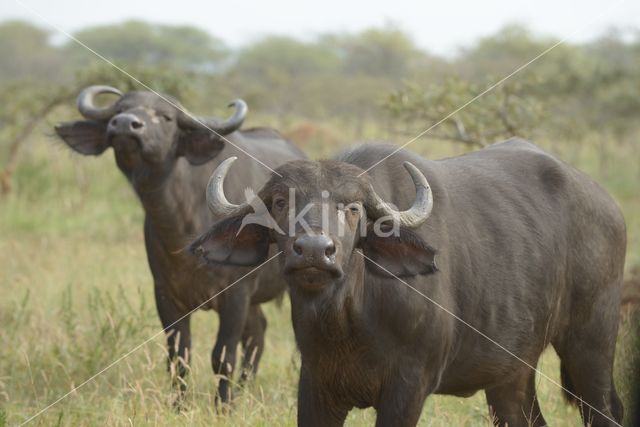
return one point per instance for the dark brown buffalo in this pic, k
(168, 156)
(519, 245)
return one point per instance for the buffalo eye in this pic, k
(353, 208)
(166, 117)
(279, 203)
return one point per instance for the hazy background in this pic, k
(76, 290)
(439, 27)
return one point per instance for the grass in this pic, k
(77, 295)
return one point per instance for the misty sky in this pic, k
(437, 26)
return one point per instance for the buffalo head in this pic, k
(319, 213)
(147, 132)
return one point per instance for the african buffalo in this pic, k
(497, 254)
(167, 156)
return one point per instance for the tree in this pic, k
(562, 70)
(380, 52)
(613, 96)
(26, 53)
(281, 75)
(137, 42)
(502, 113)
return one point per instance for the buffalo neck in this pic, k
(334, 314)
(172, 203)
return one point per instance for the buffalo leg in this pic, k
(588, 376)
(317, 408)
(586, 353)
(233, 317)
(253, 341)
(401, 404)
(177, 328)
(515, 403)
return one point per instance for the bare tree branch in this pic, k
(14, 148)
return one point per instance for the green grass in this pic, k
(77, 295)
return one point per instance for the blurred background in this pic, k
(77, 293)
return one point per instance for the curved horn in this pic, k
(224, 128)
(87, 107)
(236, 120)
(216, 199)
(422, 206)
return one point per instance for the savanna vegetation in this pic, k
(77, 292)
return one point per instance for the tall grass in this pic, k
(77, 294)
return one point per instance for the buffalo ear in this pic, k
(223, 244)
(87, 137)
(199, 146)
(402, 254)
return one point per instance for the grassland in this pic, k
(77, 294)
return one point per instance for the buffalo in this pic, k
(412, 277)
(167, 154)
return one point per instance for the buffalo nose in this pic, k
(126, 123)
(315, 249)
